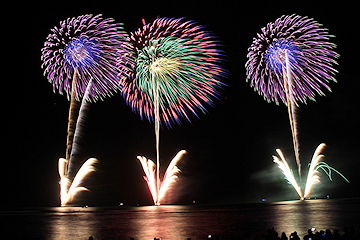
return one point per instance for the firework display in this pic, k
(168, 179)
(85, 47)
(68, 188)
(80, 57)
(311, 60)
(184, 60)
(173, 71)
(292, 60)
(312, 176)
(170, 71)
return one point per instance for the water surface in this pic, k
(180, 222)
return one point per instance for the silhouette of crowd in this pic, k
(312, 234)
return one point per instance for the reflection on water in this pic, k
(72, 223)
(165, 222)
(321, 214)
(181, 222)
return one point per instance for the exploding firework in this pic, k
(291, 60)
(174, 71)
(183, 59)
(168, 179)
(312, 176)
(85, 47)
(310, 60)
(81, 57)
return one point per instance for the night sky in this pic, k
(229, 149)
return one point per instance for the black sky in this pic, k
(229, 149)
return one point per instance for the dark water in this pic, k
(180, 222)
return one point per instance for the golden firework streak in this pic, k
(288, 82)
(168, 179)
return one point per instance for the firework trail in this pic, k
(173, 72)
(291, 60)
(81, 50)
(286, 170)
(315, 164)
(69, 188)
(84, 109)
(288, 82)
(312, 178)
(73, 114)
(169, 177)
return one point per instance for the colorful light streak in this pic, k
(184, 59)
(173, 72)
(90, 46)
(315, 164)
(312, 177)
(291, 60)
(159, 189)
(68, 188)
(286, 170)
(311, 59)
(80, 57)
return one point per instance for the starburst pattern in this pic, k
(183, 60)
(86, 46)
(311, 59)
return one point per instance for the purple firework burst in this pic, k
(310, 54)
(86, 46)
(185, 61)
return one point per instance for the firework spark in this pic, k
(291, 60)
(168, 179)
(68, 188)
(184, 60)
(315, 164)
(311, 59)
(286, 170)
(81, 57)
(312, 176)
(173, 71)
(87, 47)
